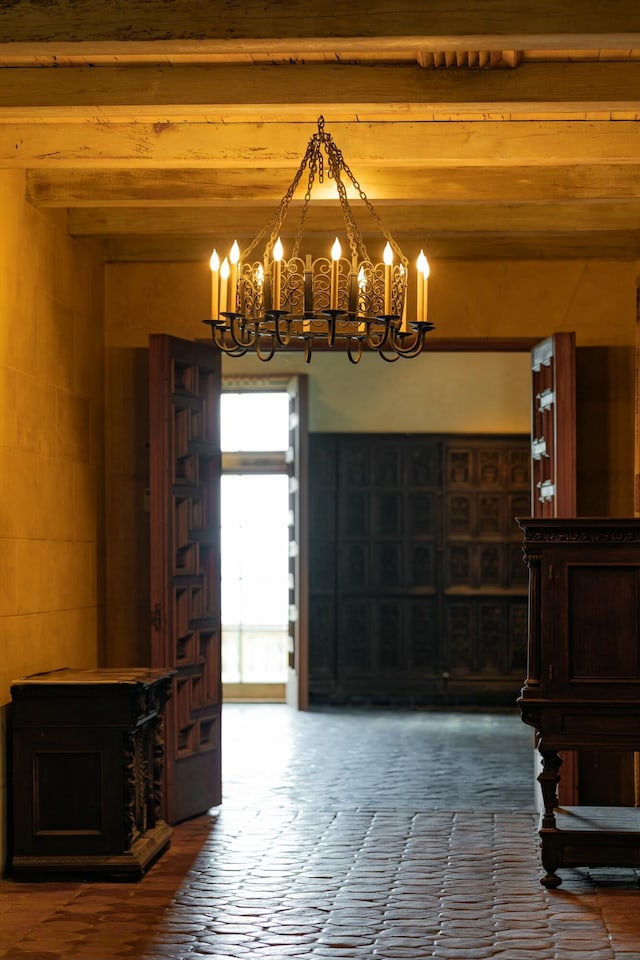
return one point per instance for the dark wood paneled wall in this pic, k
(418, 590)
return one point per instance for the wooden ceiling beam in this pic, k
(241, 93)
(138, 21)
(248, 187)
(496, 245)
(411, 219)
(426, 145)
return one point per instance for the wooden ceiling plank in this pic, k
(132, 188)
(138, 21)
(409, 144)
(231, 93)
(414, 219)
(490, 246)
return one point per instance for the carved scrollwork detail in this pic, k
(130, 784)
(628, 532)
(158, 750)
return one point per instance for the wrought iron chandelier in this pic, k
(277, 304)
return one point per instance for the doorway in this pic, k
(254, 432)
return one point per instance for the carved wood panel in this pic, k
(418, 587)
(185, 524)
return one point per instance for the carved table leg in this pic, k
(549, 779)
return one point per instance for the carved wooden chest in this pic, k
(87, 771)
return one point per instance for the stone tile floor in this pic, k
(346, 834)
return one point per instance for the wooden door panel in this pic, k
(553, 427)
(185, 564)
(421, 565)
(553, 460)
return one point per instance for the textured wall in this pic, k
(51, 442)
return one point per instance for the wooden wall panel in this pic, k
(418, 586)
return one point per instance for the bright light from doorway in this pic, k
(254, 422)
(255, 550)
(254, 540)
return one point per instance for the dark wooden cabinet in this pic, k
(418, 591)
(582, 690)
(87, 761)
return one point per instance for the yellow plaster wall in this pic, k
(439, 392)
(51, 442)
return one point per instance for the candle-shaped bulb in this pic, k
(234, 256)
(224, 286)
(277, 273)
(423, 287)
(336, 253)
(423, 264)
(361, 305)
(403, 299)
(214, 263)
(387, 256)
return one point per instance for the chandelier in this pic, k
(270, 304)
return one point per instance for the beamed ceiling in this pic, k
(486, 129)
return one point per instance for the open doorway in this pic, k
(254, 543)
(466, 392)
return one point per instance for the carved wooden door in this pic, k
(185, 564)
(297, 463)
(553, 427)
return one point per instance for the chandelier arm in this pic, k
(284, 339)
(218, 337)
(416, 345)
(379, 341)
(308, 349)
(357, 357)
(391, 359)
(332, 324)
(270, 351)
(237, 326)
(235, 351)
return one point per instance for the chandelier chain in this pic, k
(272, 227)
(314, 166)
(372, 210)
(336, 165)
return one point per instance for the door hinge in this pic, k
(156, 617)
